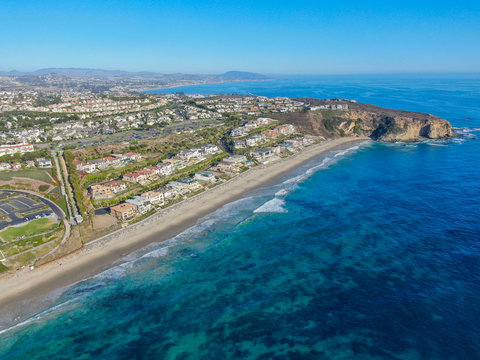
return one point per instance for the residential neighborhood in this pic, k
(160, 149)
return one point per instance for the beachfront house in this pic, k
(168, 192)
(123, 211)
(192, 184)
(231, 164)
(263, 155)
(155, 197)
(206, 176)
(180, 187)
(307, 141)
(141, 204)
(294, 143)
(235, 159)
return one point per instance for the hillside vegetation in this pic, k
(368, 120)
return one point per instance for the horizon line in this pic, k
(397, 73)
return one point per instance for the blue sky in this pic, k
(274, 37)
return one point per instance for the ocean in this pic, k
(370, 251)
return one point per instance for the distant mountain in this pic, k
(145, 75)
(79, 72)
(99, 80)
(242, 75)
(12, 73)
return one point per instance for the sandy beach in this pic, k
(101, 253)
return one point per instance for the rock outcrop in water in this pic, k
(368, 120)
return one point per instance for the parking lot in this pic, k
(16, 208)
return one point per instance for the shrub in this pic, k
(43, 188)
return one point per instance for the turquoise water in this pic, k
(371, 251)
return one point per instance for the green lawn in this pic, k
(3, 268)
(62, 203)
(58, 200)
(32, 228)
(35, 174)
(56, 190)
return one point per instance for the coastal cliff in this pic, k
(368, 120)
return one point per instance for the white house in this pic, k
(204, 176)
(251, 125)
(239, 131)
(155, 197)
(5, 166)
(254, 140)
(168, 192)
(87, 167)
(210, 149)
(142, 204)
(44, 163)
(264, 154)
(166, 169)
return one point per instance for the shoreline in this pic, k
(200, 83)
(98, 255)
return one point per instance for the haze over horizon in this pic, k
(61, 70)
(307, 37)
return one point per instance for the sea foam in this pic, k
(272, 206)
(326, 162)
(281, 192)
(123, 266)
(343, 152)
(436, 144)
(162, 252)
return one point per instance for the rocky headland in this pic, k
(360, 119)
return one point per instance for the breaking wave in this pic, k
(291, 183)
(126, 265)
(281, 192)
(272, 206)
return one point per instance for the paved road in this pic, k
(131, 135)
